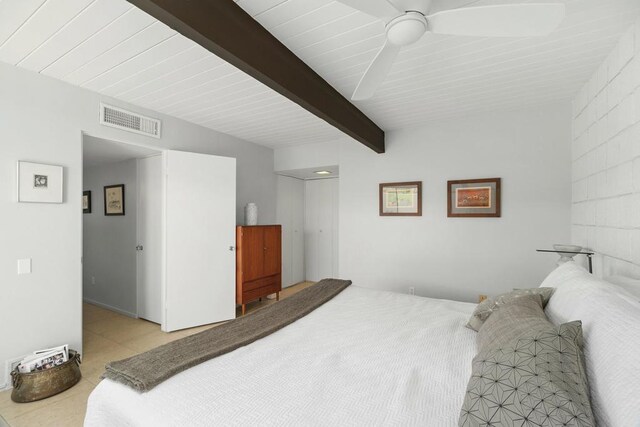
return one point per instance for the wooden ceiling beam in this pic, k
(226, 30)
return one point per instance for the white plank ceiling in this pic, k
(113, 48)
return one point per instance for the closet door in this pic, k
(325, 229)
(297, 227)
(321, 229)
(284, 217)
(335, 226)
(290, 214)
(311, 192)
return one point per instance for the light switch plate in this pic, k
(24, 266)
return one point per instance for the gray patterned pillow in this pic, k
(537, 380)
(513, 320)
(488, 306)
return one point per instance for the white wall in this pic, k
(306, 156)
(606, 161)
(459, 258)
(109, 253)
(41, 120)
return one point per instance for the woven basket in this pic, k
(32, 386)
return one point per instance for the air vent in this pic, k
(129, 121)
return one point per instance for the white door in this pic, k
(321, 229)
(311, 199)
(335, 226)
(283, 217)
(325, 229)
(149, 226)
(290, 214)
(297, 222)
(200, 233)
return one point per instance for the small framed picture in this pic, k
(401, 199)
(474, 198)
(114, 200)
(38, 183)
(86, 202)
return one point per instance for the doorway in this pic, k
(122, 230)
(159, 233)
(308, 211)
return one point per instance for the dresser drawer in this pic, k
(259, 288)
(261, 283)
(254, 294)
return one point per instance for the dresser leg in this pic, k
(277, 296)
(243, 308)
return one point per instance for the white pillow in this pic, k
(570, 272)
(563, 273)
(611, 328)
(630, 285)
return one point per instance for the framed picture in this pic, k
(474, 198)
(86, 202)
(114, 200)
(401, 199)
(38, 183)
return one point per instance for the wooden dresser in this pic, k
(258, 262)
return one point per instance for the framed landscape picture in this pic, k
(114, 200)
(86, 202)
(401, 199)
(474, 198)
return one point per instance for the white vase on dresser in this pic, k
(251, 214)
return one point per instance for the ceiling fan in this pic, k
(408, 20)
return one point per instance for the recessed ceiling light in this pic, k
(323, 172)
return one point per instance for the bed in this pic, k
(371, 357)
(364, 358)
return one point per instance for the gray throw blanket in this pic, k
(146, 370)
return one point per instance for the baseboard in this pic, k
(291, 284)
(294, 284)
(109, 307)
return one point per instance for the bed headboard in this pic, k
(605, 266)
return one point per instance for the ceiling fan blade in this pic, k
(376, 72)
(513, 20)
(378, 8)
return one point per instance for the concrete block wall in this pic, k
(606, 161)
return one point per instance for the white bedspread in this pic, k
(365, 358)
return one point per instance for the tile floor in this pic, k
(107, 336)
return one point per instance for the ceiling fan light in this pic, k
(406, 29)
